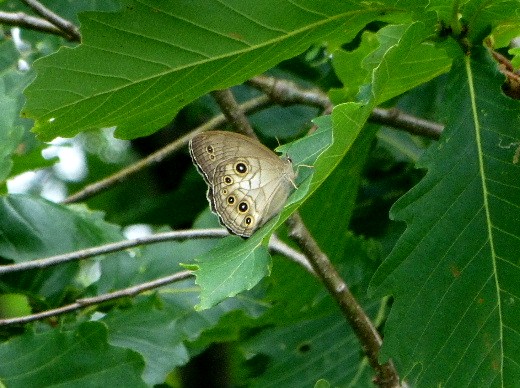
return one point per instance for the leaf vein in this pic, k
(417, 298)
(473, 339)
(437, 306)
(252, 19)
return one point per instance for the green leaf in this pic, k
(348, 66)
(402, 145)
(236, 265)
(405, 61)
(14, 305)
(318, 347)
(138, 67)
(455, 272)
(68, 359)
(515, 61)
(348, 121)
(13, 129)
(29, 227)
(503, 34)
(483, 16)
(233, 266)
(172, 305)
(195, 325)
(10, 134)
(153, 333)
(403, 53)
(33, 228)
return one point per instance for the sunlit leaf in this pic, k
(138, 67)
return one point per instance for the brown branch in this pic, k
(233, 112)
(84, 302)
(275, 245)
(70, 30)
(398, 119)
(512, 84)
(21, 19)
(279, 91)
(503, 61)
(363, 328)
(113, 247)
(158, 156)
(285, 92)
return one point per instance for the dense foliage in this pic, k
(423, 226)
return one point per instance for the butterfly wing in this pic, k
(248, 183)
(246, 201)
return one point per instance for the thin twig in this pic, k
(512, 84)
(415, 125)
(286, 92)
(361, 324)
(275, 245)
(84, 302)
(67, 27)
(278, 246)
(234, 114)
(279, 91)
(21, 19)
(113, 247)
(250, 106)
(502, 60)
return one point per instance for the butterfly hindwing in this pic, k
(248, 183)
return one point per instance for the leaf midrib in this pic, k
(485, 193)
